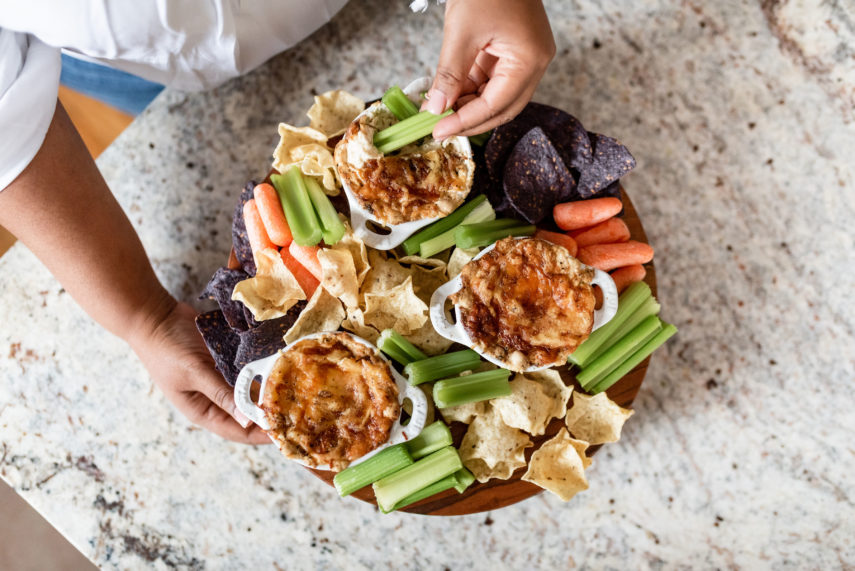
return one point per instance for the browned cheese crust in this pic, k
(526, 303)
(413, 185)
(330, 400)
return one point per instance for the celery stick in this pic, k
(481, 139)
(398, 103)
(633, 361)
(618, 352)
(629, 301)
(411, 244)
(297, 205)
(441, 366)
(382, 464)
(430, 490)
(396, 346)
(432, 438)
(482, 213)
(464, 479)
(332, 228)
(472, 388)
(395, 487)
(485, 233)
(410, 133)
(649, 307)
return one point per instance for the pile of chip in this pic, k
(544, 157)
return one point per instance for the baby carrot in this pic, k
(258, 238)
(270, 209)
(558, 238)
(607, 257)
(575, 215)
(611, 231)
(304, 277)
(628, 275)
(308, 258)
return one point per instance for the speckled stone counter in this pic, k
(740, 453)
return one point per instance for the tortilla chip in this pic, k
(398, 308)
(220, 289)
(554, 387)
(291, 138)
(240, 239)
(272, 291)
(596, 419)
(355, 323)
(484, 473)
(222, 343)
(333, 111)
(426, 281)
(428, 340)
(459, 258)
(611, 161)
(528, 407)
(464, 413)
(491, 440)
(266, 339)
(384, 273)
(317, 160)
(559, 466)
(322, 313)
(358, 252)
(339, 275)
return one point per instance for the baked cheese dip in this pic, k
(330, 400)
(426, 180)
(526, 303)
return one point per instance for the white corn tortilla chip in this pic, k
(273, 289)
(528, 407)
(559, 466)
(553, 386)
(398, 308)
(596, 419)
(464, 412)
(333, 111)
(323, 313)
(491, 440)
(339, 275)
(459, 258)
(355, 323)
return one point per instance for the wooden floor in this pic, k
(97, 123)
(27, 541)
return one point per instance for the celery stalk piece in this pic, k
(297, 205)
(482, 213)
(618, 352)
(430, 490)
(397, 347)
(472, 388)
(398, 103)
(441, 366)
(464, 479)
(382, 464)
(481, 139)
(411, 131)
(411, 244)
(649, 307)
(395, 487)
(433, 437)
(628, 302)
(332, 228)
(633, 360)
(485, 233)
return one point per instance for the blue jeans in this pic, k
(118, 89)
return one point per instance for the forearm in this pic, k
(62, 210)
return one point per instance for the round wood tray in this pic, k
(497, 494)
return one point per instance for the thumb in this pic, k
(456, 57)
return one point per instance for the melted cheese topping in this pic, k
(526, 303)
(330, 400)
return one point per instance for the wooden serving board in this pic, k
(497, 494)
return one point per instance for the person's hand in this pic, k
(494, 52)
(179, 363)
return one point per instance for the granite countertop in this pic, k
(740, 453)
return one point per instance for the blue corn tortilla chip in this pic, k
(565, 131)
(484, 183)
(266, 338)
(222, 342)
(536, 178)
(220, 289)
(611, 161)
(240, 240)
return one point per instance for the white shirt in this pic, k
(186, 44)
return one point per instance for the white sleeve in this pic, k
(29, 80)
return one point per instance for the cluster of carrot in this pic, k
(597, 238)
(267, 227)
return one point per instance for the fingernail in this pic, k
(436, 102)
(241, 418)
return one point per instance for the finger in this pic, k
(502, 98)
(210, 416)
(456, 57)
